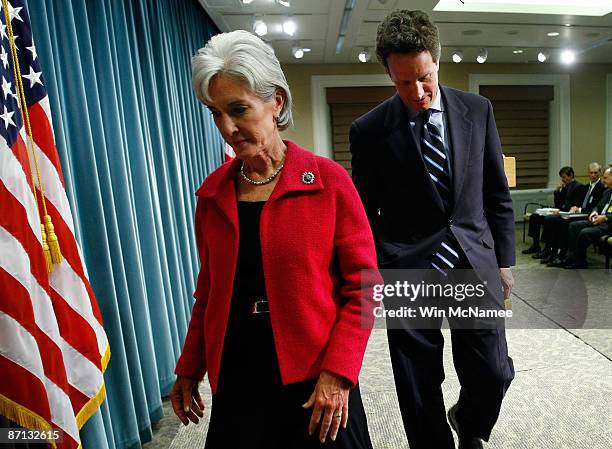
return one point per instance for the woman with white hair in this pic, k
(283, 307)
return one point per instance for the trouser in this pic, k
(554, 234)
(484, 369)
(535, 225)
(581, 235)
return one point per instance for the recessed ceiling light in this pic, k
(482, 56)
(542, 56)
(285, 3)
(364, 55)
(518, 51)
(568, 56)
(552, 34)
(457, 56)
(289, 27)
(259, 27)
(568, 24)
(246, 2)
(298, 53)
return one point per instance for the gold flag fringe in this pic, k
(23, 416)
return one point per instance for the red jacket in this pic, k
(315, 240)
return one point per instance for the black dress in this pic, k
(252, 408)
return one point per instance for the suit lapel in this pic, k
(460, 129)
(403, 145)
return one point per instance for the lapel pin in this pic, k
(308, 177)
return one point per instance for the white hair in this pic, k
(243, 56)
(595, 165)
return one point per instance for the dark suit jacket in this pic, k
(602, 202)
(570, 195)
(595, 196)
(401, 201)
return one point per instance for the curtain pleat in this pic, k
(134, 144)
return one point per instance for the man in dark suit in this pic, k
(555, 231)
(567, 194)
(429, 168)
(583, 233)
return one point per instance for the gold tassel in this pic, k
(46, 250)
(56, 253)
(508, 304)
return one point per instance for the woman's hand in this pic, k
(330, 401)
(186, 400)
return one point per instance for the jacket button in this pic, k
(450, 223)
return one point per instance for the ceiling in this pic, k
(319, 23)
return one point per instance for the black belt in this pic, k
(260, 306)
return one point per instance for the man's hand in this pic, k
(574, 210)
(507, 281)
(599, 219)
(186, 400)
(330, 401)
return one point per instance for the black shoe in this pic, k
(531, 250)
(465, 441)
(576, 266)
(557, 263)
(540, 255)
(548, 259)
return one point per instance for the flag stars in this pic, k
(7, 117)
(14, 12)
(3, 31)
(34, 77)
(33, 50)
(6, 87)
(4, 58)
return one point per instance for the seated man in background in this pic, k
(555, 230)
(566, 195)
(583, 233)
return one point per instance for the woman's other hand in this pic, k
(186, 400)
(330, 402)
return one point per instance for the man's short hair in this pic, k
(595, 166)
(405, 31)
(567, 170)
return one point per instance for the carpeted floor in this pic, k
(562, 393)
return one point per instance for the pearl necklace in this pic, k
(263, 181)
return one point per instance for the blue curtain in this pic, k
(134, 145)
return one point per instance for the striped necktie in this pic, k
(586, 198)
(435, 159)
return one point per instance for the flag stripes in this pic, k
(53, 347)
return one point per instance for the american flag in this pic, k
(53, 347)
